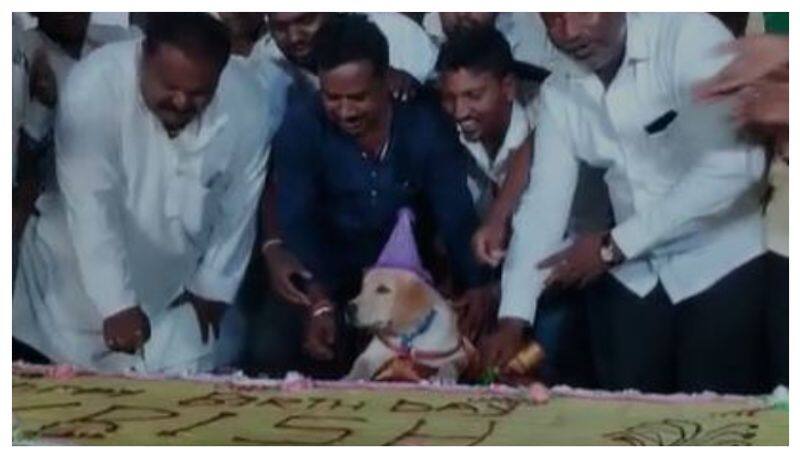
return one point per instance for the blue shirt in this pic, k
(337, 206)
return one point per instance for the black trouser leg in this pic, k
(631, 337)
(22, 352)
(777, 320)
(719, 334)
(274, 338)
(561, 329)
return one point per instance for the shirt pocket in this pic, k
(661, 160)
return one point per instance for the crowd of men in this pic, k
(201, 191)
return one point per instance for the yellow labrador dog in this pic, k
(415, 330)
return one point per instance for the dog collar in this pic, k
(406, 339)
(406, 349)
(415, 354)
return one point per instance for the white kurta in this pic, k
(138, 217)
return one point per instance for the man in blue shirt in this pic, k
(346, 164)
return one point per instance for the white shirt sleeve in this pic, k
(541, 219)
(723, 167)
(233, 233)
(89, 176)
(410, 48)
(38, 120)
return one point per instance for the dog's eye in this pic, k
(382, 289)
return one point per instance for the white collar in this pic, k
(294, 71)
(636, 48)
(519, 127)
(504, 23)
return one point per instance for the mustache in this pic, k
(167, 106)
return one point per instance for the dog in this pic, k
(415, 331)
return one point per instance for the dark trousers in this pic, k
(711, 341)
(275, 331)
(777, 320)
(21, 352)
(561, 329)
(275, 343)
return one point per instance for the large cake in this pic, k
(59, 406)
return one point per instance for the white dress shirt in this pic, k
(485, 174)
(138, 216)
(38, 121)
(410, 48)
(525, 32)
(263, 65)
(590, 207)
(685, 198)
(117, 18)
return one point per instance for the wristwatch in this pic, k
(610, 254)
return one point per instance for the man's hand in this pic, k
(43, 86)
(763, 106)
(502, 344)
(209, 315)
(488, 243)
(127, 330)
(578, 264)
(755, 57)
(402, 85)
(282, 266)
(320, 331)
(476, 309)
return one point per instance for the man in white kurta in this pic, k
(141, 216)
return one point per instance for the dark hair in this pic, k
(197, 34)
(346, 38)
(483, 49)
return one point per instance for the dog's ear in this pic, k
(412, 300)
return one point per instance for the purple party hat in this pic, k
(400, 250)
